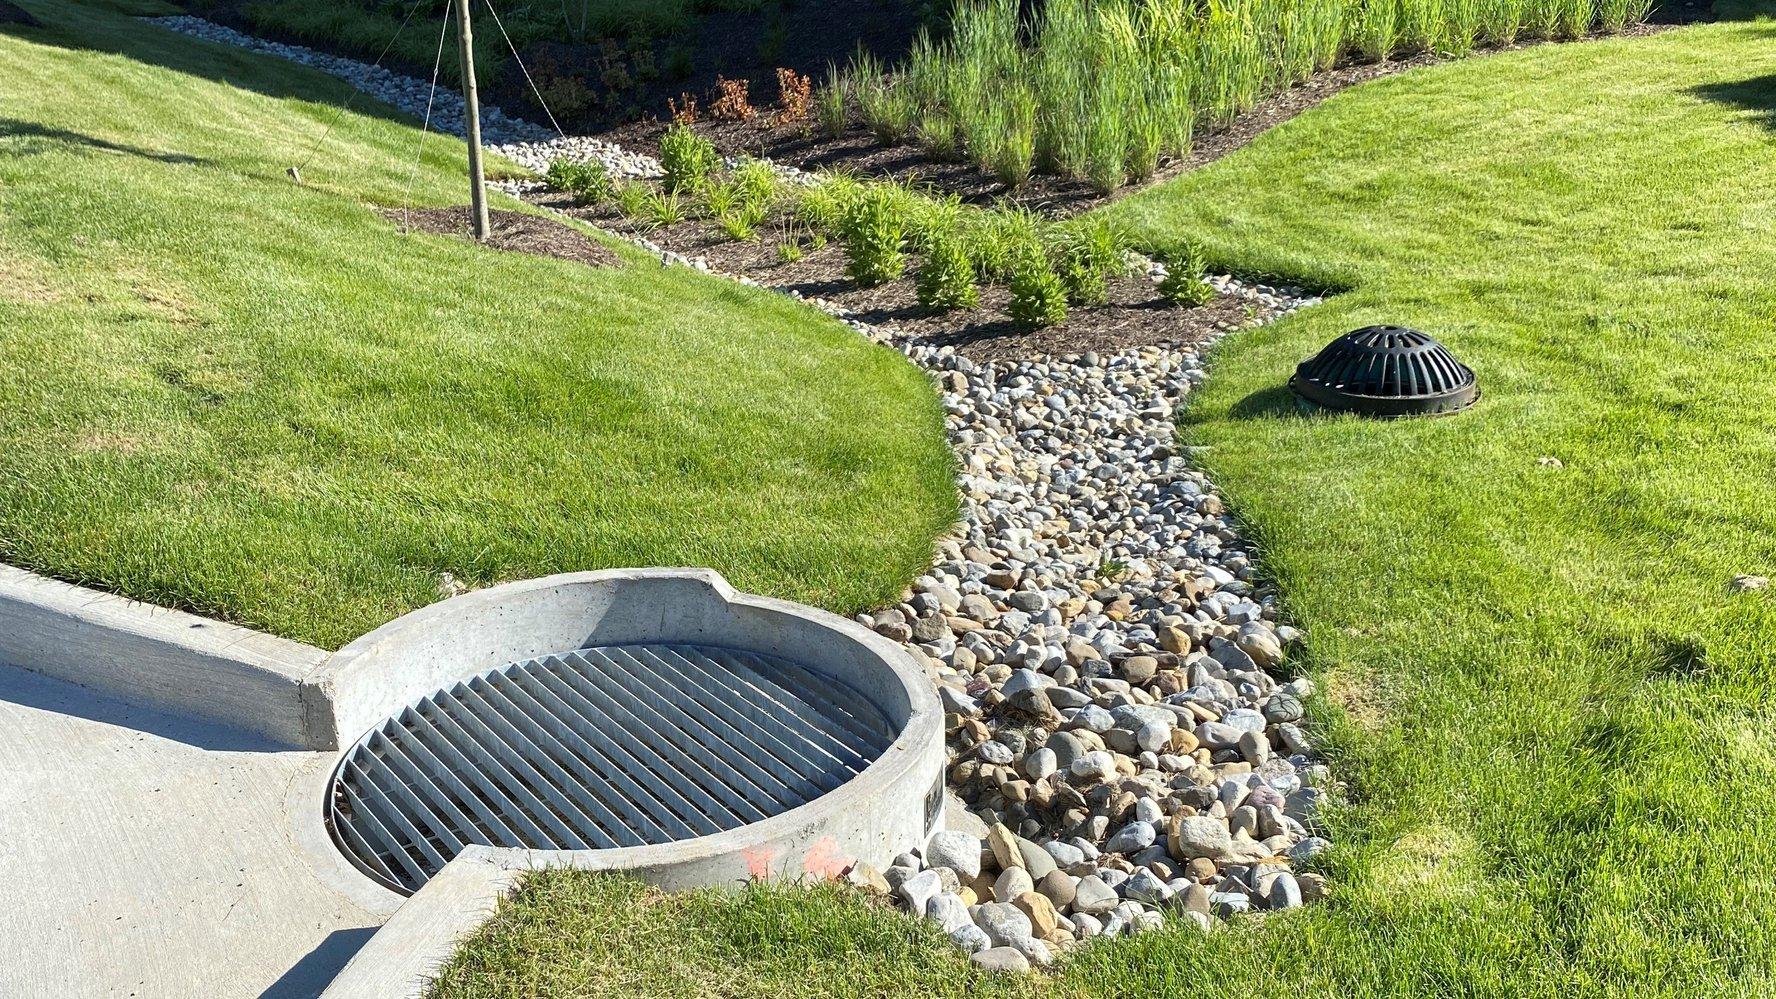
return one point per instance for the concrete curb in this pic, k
(401, 960)
(166, 659)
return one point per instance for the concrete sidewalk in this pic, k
(144, 855)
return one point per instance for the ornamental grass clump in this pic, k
(822, 207)
(999, 238)
(946, 277)
(888, 109)
(829, 103)
(874, 235)
(632, 198)
(665, 208)
(1037, 297)
(687, 159)
(1104, 90)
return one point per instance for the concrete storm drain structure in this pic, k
(652, 721)
(369, 807)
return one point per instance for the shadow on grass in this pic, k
(12, 128)
(1757, 94)
(78, 26)
(1274, 403)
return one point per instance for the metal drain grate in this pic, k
(624, 745)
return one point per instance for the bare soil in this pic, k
(515, 232)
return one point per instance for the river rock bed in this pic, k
(1108, 659)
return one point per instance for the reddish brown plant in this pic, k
(734, 101)
(795, 96)
(684, 110)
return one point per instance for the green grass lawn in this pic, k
(225, 392)
(1556, 722)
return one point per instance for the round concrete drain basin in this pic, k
(598, 748)
(799, 745)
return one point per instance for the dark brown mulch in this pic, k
(512, 231)
(11, 13)
(1135, 316)
(749, 42)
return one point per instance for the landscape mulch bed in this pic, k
(513, 231)
(1135, 316)
(802, 145)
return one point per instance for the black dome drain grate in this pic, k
(1386, 371)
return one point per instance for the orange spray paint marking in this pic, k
(758, 862)
(824, 860)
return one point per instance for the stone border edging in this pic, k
(166, 659)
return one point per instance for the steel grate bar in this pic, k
(691, 749)
(427, 736)
(762, 793)
(576, 753)
(648, 795)
(396, 819)
(391, 845)
(562, 817)
(825, 694)
(588, 816)
(784, 781)
(761, 717)
(661, 777)
(507, 785)
(461, 829)
(820, 698)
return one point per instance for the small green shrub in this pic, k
(589, 182)
(1184, 283)
(875, 237)
(720, 199)
(686, 158)
(1037, 298)
(664, 208)
(632, 199)
(946, 278)
(742, 222)
(823, 206)
(928, 217)
(757, 183)
(999, 238)
(1086, 253)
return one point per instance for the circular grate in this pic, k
(1386, 371)
(617, 746)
